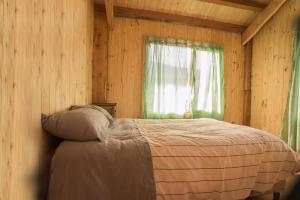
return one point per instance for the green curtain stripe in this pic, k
(290, 131)
(183, 43)
(171, 42)
(206, 46)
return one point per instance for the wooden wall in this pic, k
(119, 62)
(271, 68)
(45, 66)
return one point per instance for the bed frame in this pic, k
(276, 195)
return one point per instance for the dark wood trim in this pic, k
(276, 196)
(110, 107)
(247, 83)
(241, 4)
(109, 8)
(173, 18)
(105, 104)
(261, 19)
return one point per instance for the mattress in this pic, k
(172, 160)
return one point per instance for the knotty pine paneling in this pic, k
(45, 66)
(119, 62)
(271, 68)
(100, 57)
(193, 8)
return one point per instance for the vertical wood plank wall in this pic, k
(45, 66)
(100, 52)
(247, 82)
(118, 61)
(271, 68)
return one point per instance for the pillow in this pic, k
(82, 124)
(107, 115)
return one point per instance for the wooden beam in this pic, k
(247, 83)
(173, 18)
(261, 19)
(241, 4)
(109, 8)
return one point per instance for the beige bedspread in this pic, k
(209, 159)
(190, 160)
(120, 168)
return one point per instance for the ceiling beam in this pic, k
(261, 19)
(173, 18)
(241, 4)
(109, 8)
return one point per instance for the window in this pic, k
(291, 124)
(182, 77)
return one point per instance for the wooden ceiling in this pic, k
(217, 10)
(244, 16)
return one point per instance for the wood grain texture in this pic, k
(173, 18)
(247, 80)
(100, 51)
(193, 8)
(126, 63)
(45, 66)
(261, 19)
(109, 8)
(271, 68)
(241, 4)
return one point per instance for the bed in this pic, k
(171, 160)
